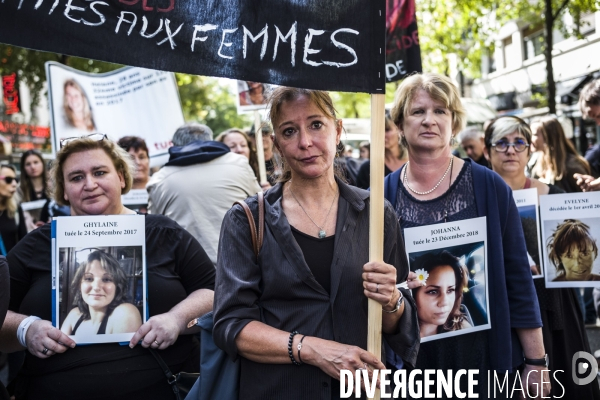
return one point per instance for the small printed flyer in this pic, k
(570, 233)
(450, 261)
(136, 200)
(527, 204)
(99, 277)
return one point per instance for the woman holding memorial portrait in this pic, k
(435, 187)
(297, 314)
(90, 174)
(508, 141)
(100, 307)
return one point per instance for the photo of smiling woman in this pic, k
(572, 249)
(439, 299)
(100, 293)
(76, 106)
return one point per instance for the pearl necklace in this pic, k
(428, 191)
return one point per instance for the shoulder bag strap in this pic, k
(171, 379)
(257, 236)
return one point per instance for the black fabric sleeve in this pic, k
(193, 265)
(406, 340)
(18, 260)
(363, 179)
(237, 288)
(4, 288)
(22, 228)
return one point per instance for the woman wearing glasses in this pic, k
(11, 231)
(90, 174)
(508, 142)
(435, 187)
(559, 161)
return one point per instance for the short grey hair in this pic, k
(504, 126)
(190, 133)
(469, 134)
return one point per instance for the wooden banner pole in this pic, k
(376, 217)
(260, 152)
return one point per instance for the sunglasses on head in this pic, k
(94, 136)
(9, 179)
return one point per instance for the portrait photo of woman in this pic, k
(100, 293)
(572, 250)
(439, 300)
(76, 106)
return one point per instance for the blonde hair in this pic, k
(10, 202)
(321, 100)
(439, 88)
(253, 160)
(557, 148)
(87, 111)
(121, 160)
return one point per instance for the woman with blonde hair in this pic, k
(77, 107)
(559, 161)
(239, 142)
(11, 230)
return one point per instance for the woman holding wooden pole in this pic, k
(297, 313)
(435, 187)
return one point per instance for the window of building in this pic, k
(533, 42)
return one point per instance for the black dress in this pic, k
(176, 266)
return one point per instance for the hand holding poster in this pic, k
(527, 204)
(570, 232)
(451, 287)
(99, 277)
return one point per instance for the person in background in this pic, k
(136, 146)
(238, 142)
(12, 226)
(364, 150)
(471, 140)
(434, 187)
(395, 155)
(348, 150)
(589, 105)
(34, 179)
(201, 181)
(560, 161)
(91, 174)
(508, 143)
(269, 151)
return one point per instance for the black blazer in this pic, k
(281, 291)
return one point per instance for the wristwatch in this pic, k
(543, 362)
(398, 303)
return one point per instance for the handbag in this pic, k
(181, 383)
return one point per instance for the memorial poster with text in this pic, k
(450, 261)
(99, 277)
(527, 204)
(570, 235)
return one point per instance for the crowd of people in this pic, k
(295, 313)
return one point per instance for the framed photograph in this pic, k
(99, 272)
(570, 233)
(32, 213)
(450, 261)
(252, 96)
(527, 204)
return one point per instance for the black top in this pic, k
(483, 162)
(4, 289)
(593, 158)
(318, 254)
(176, 266)
(10, 231)
(101, 329)
(363, 180)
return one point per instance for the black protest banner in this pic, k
(402, 51)
(318, 44)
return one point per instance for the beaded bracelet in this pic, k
(290, 353)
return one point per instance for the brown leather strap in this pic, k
(257, 236)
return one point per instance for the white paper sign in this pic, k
(136, 199)
(527, 204)
(126, 102)
(570, 233)
(32, 211)
(252, 96)
(99, 277)
(450, 260)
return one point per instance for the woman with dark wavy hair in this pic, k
(100, 288)
(572, 250)
(34, 178)
(439, 300)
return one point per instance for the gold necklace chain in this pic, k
(428, 191)
(322, 232)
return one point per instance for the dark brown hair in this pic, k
(26, 186)
(567, 235)
(135, 142)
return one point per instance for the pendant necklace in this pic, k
(322, 232)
